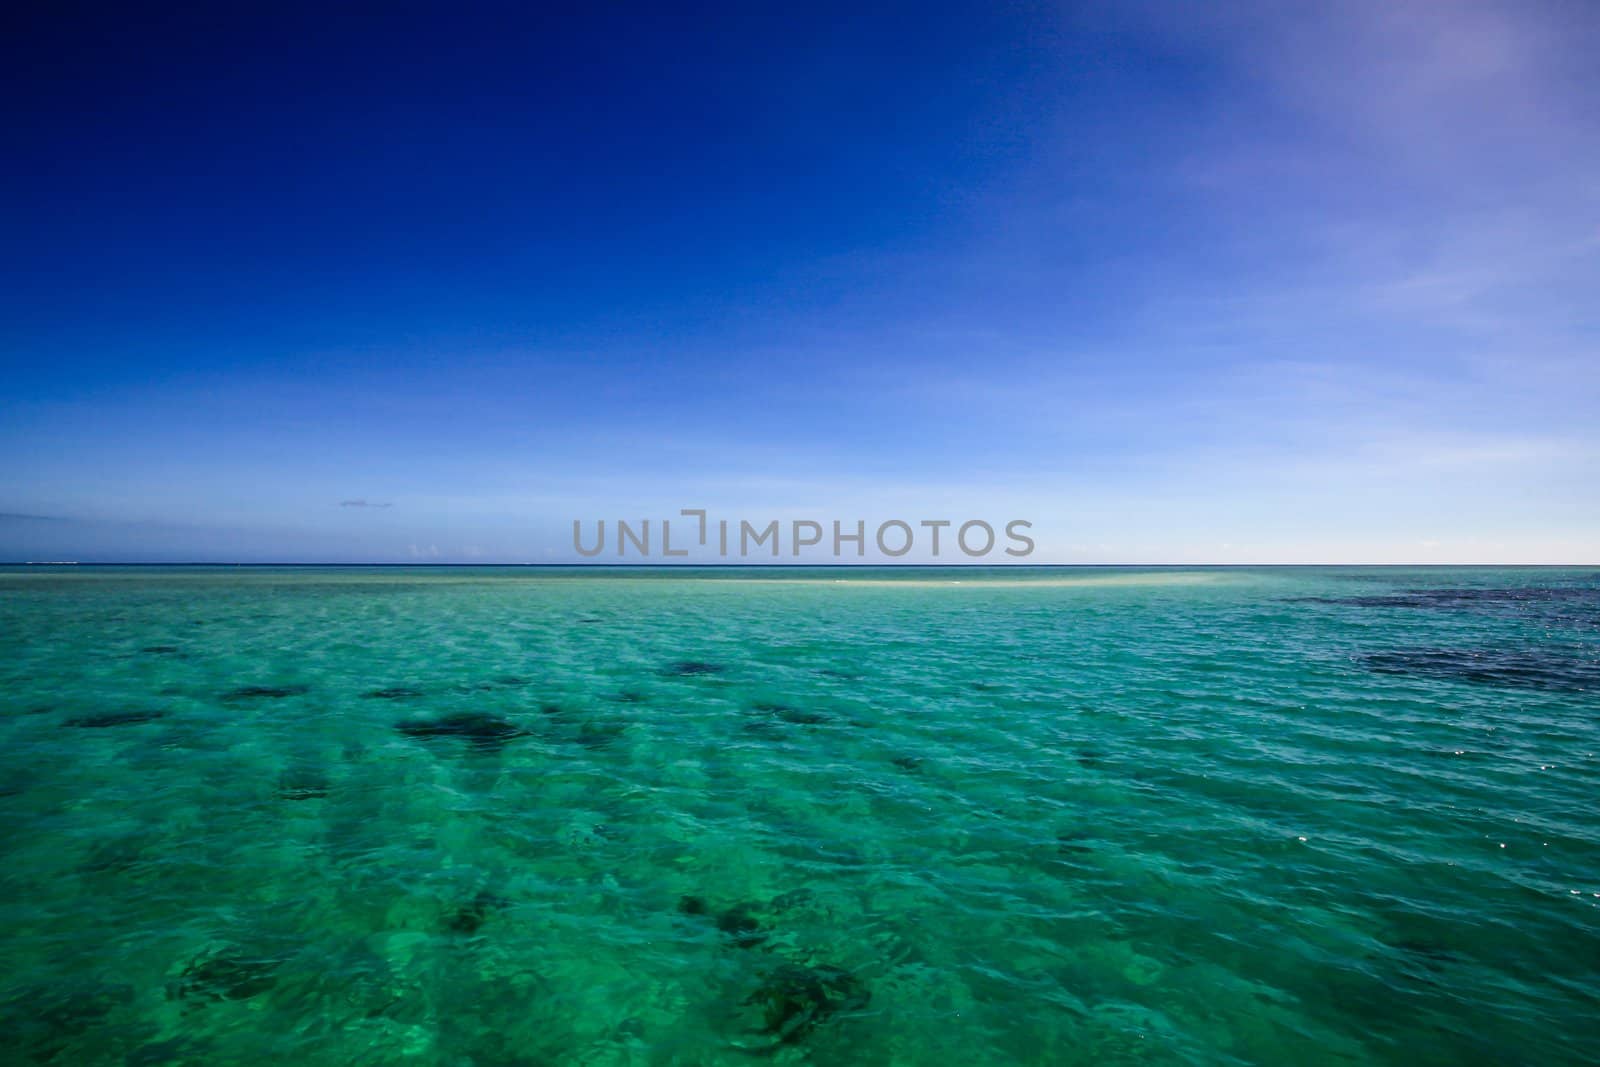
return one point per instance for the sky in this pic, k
(1245, 283)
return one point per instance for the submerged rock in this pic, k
(793, 1000)
(477, 728)
(265, 692)
(115, 718)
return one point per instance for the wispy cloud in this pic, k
(17, 516)
(363, 504)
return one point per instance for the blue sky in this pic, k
(1282, 283)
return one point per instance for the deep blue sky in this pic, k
(1291, 282)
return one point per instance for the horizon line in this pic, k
(659, 565)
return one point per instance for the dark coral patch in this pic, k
(478, 729)
(1382, 600)
(689, 668)
(115, 718)
(1564, 604)
(797, 716)
(224, 977)
(741, 927)
(470, 917)
(1541, 668)
(1422, 961)
(794, 1000)
(1463, 597)
(1073, 842)
(738, 923)
(504, 681)
(264, 692)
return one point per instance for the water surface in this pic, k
(467, 816)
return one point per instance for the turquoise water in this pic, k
(484, 817)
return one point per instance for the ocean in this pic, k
(495, 816)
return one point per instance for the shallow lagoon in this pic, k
(473, 816)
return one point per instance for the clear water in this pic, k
(475, 817)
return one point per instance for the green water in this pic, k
(485, 817)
